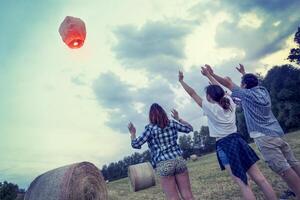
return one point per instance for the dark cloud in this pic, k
(255, 42)
(267, 5)
(271, 6)
(120, 100)
(151, 40)
(111, 92)
(157, 47)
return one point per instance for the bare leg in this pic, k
(296, 168)
(168, 184)
(262, 182)
(245, 189)
(293, 181)
(184, 185)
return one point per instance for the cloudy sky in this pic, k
(59, 106)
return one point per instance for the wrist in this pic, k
(133, 137)
(132, 134)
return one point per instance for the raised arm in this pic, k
(190, 90)
(206, 72)
(241, 69)
(226, 81)
(184, 126)
(137, 142)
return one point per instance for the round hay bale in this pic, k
(79, 181)
(194, 157)
(141, 176)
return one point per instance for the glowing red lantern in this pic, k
(72, 31)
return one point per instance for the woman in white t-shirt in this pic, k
(233, 152)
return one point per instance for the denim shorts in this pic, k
(222, 156)
(171, 167)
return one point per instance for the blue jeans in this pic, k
(222, 156)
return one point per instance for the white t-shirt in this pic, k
(220, 122)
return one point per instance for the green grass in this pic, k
(208, 182)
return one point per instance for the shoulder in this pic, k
(172, 123)
(149, 127)
(237, 89)
(238, 92)
(210, 108)
(261, 88)
(207, 105)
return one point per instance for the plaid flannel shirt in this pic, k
(240, 155)
(256, 103)
(162, 142)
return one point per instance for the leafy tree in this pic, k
(283, 84)
(241, 124)
(186, 145)
(119, 169)
(8, 191)
(295, 52)
(208, 143)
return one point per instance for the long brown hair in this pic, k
(158, 116)
(217, 94)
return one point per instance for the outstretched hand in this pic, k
(180, 76)
(131, 129)
(241, 69)
(209, 69)
(204, 71)
(175, 114)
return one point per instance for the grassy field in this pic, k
(208, 182)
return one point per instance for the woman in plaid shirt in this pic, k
(161, 135)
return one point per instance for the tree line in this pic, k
(10, 191)
(199, 144)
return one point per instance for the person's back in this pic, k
(259, 117)
(162, 142)
(221, 122)
(161, 135)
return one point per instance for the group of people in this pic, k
(233, 152)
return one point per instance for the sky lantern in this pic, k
(72, 31)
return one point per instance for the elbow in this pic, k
(228, 83)
(188, 129)
(191, 129)
(135, 145)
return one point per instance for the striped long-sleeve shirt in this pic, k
(162, 142)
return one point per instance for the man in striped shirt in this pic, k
(263, 127)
